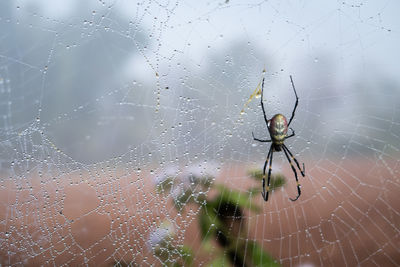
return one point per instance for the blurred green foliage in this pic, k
(165, 185)
(221, 219)
(173, 256)
(277, 180)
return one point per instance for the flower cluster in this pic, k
(186, 184)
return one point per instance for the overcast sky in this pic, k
(356, 33)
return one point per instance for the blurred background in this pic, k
(101, 102)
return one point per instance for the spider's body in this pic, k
(278, 128)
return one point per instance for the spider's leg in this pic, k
(291, 134)
(303, 171)
(265, 166)
(295, 175)
(297, 101)
(262, 103)
(269, 157)
(260, 140)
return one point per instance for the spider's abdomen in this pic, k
(278, 128)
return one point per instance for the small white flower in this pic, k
(162, 233)
(169, 172)
(198, 171)
(177, 191)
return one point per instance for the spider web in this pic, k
(100, 99)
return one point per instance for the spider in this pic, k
(277, 128)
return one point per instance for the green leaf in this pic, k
(221, 261)
(242, 199)
(277, 180)
(207, 245)
(166, 185)
(254, 191)
(208, 222)
(258, 256)
(256, 174)
(181, 200)
(187, 255)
